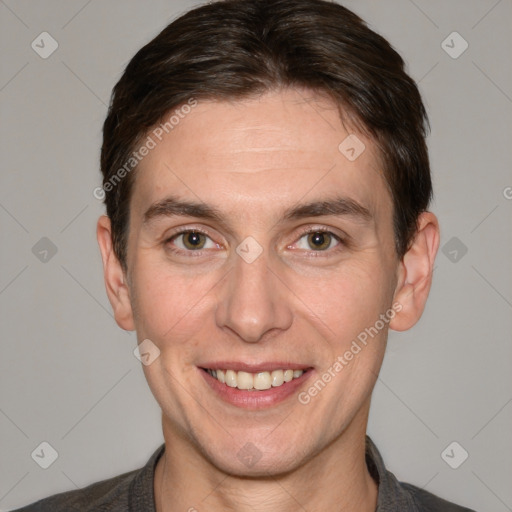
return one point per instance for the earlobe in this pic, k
(115, 282)
(415, 273)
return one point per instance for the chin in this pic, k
(239, 456)
(251, 463)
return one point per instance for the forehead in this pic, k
(260, 154)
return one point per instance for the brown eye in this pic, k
(193, 240)
(319, 240)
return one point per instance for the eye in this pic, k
(318, 240)
(191, 240)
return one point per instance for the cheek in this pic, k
(348, 299)
(170, 306)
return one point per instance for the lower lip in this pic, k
(255, 399)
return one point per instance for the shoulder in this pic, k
(109, 495)
(131, 491)
(396, 495)
(428, 502)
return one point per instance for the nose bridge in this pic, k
(251, 303)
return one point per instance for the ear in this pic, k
(115, 280)
(415, 273)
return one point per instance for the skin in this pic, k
(252, 160)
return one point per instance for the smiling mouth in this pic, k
(260, 381)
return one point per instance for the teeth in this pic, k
(262, 381)
(255, 381)
(231, 379)
(244, 380)
(277, 378)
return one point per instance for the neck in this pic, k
(336, 478)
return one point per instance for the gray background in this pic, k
(68, 373)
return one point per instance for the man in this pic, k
(266, 181)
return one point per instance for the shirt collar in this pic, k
(392, 496)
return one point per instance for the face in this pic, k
(255, 247)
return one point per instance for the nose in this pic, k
(253, 300)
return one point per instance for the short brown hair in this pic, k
(234, 49)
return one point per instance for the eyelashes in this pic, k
(192, 240)
(195, 242)
(320, 236)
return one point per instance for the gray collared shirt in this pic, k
(133, 492)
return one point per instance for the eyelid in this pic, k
(342, 239)
(187, 253)
(184, 230)
(323, 229)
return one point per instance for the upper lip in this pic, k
(254, 367)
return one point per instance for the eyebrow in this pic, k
(172, 206)
(337, 206)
